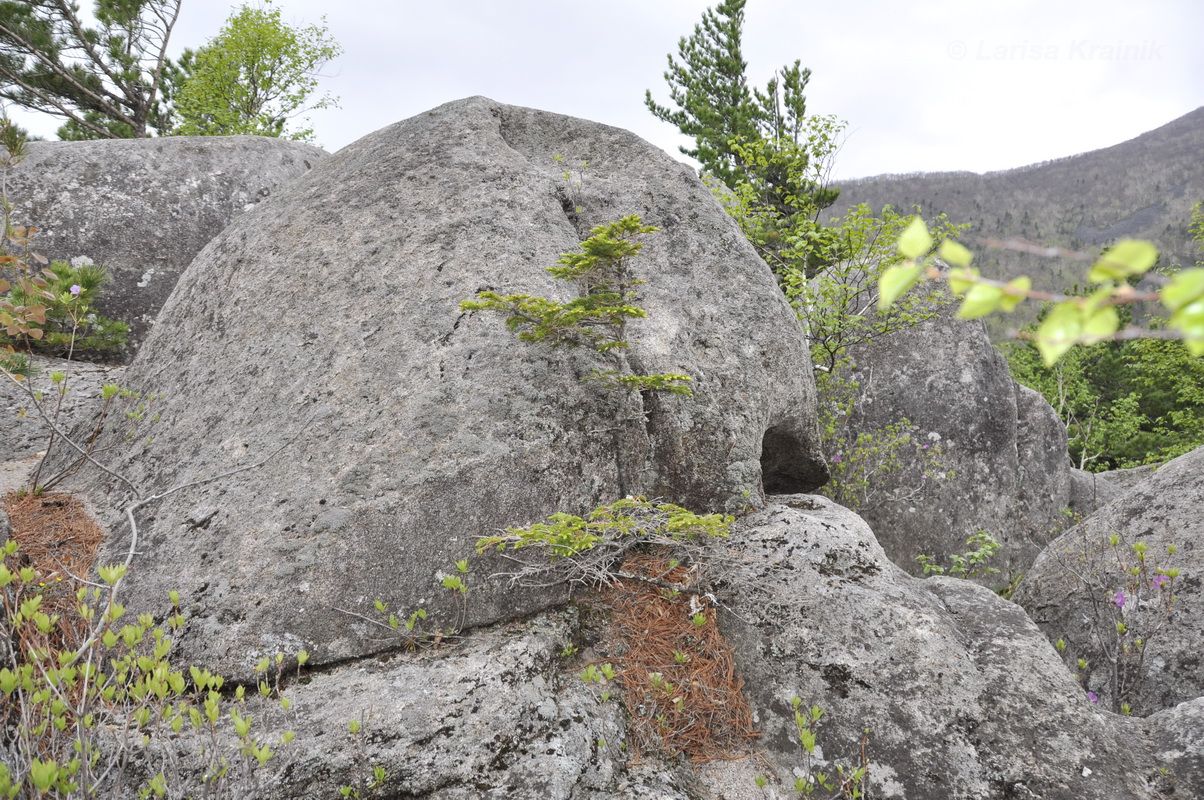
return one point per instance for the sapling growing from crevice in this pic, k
(598, 318)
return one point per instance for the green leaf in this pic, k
(1068, 324)
(1096, 299)
(1014, 292)
(954, 254)
(1185, 287)
(1100, 325)
(915, 240)
(960, 280)
(1058, 332)
(981, 300)
(43, 774)
(1189, 320)
(895, 281)
(1127, 257)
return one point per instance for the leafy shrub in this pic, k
(92, 701)
(891, 464)
(67, 293)
(45, 309)
(1128, 600)
(969, 565)
(830, 275)
(1124, 403)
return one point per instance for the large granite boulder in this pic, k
(961, 694)
(951, 691)
(1072, 590)
(142, 208)
(334, 304)
(1003, 467)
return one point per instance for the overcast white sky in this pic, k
(924, 85)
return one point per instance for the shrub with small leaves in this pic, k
(968, 565)
(1129, 600)
(844, 782)
(45, 308)
(66, 324)
(365, 783)
(94, 706)
(894, 463)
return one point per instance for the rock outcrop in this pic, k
(1072, 590)
(1091, 491)
(334, 304)
(25, 431)
(951, 690)
(1004, 464)
(496, 716)
(143, 208)
(342, 434)
(961, 694)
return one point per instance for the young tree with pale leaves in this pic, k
(256, 77)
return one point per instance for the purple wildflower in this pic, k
(836, 458)
(75, 289)
(1120, 598)
(1159, 580)
(1093, 697)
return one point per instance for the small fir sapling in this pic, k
(598, 316)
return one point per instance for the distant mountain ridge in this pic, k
(1143, 188)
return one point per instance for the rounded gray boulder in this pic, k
(326, 322)
(143, 208)
(1083, 586)
(1004, 467)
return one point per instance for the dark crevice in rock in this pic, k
(570, 212)
(784, 467)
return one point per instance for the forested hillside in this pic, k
(1123, 402)
(1143, 188)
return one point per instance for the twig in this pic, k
(129, 513)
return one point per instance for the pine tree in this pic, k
(756, 142)
(106, 81)
(717, 108)
(711, 92)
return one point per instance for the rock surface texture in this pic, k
(1091, 491)
(143, 208)
(961, 695)
(25, 432)
(498, 716)
(1004, 448)
(335, 303)
(1072, 590)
